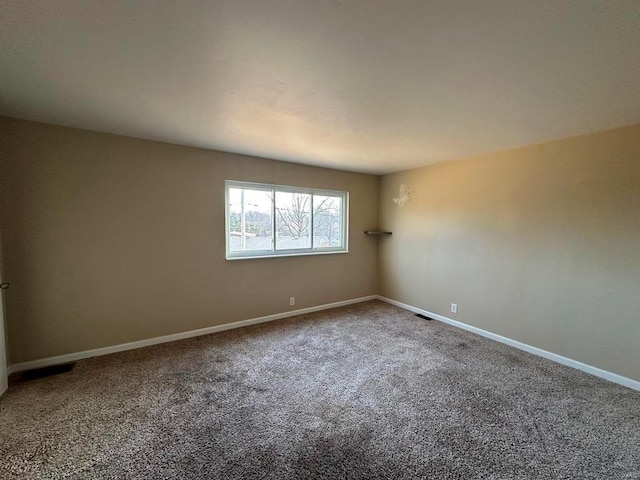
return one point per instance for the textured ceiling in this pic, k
(364, 85)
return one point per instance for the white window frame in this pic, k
(241, 255)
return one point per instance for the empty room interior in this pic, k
(332, 239)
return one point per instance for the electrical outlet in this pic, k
(292, 301)
(454, 308)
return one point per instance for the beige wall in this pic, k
(539, 244)
(111, 239)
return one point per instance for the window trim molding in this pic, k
(273, 253)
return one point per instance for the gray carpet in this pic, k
(361, 392)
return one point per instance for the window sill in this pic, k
(293, 254)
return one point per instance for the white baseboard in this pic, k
(71, 357)
(598, 372)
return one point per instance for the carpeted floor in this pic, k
(360, 392)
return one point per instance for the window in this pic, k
(273, 220)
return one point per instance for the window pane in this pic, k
(327, 221)
(250, 219)
(293, 220)
(266, 220)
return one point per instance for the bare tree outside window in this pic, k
(326, 221)
(293, 211)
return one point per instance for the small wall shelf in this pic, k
(376, 232)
